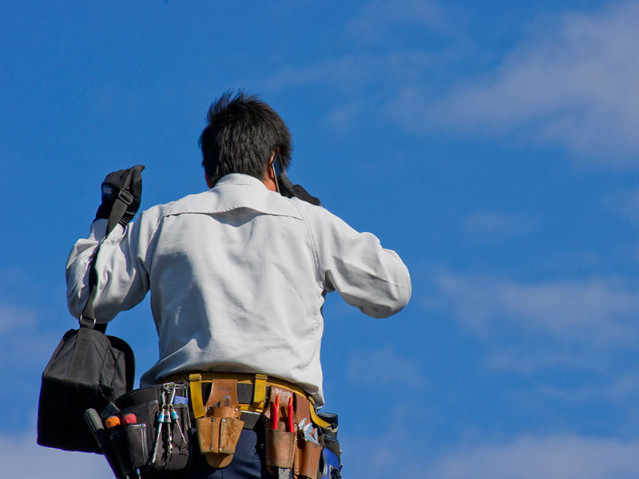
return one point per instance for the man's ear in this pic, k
(269, 175)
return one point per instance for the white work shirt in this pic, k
(237, 276)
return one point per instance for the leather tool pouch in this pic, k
(280, 442)
(138, 446)
(308, 459)
(308, 453)
(286, 447)
(219, 430)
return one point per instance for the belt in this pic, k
(252, 390)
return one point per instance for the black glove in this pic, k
(288, 189)
(125, 185)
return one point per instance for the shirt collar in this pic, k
(239, 179)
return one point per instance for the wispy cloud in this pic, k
(583, 329)
(557, 456)
(574, 84)
(351, 72)
(622, 389)
(20, 456)
(26, 345)
(487, 225)
(552, 457)
(23, 343)
(571, 82)
(625, 203)
(393, 451)
(14, 318)
(367, 79)
(379, 17)
(384, 366)
(597, 312)
(352, 76)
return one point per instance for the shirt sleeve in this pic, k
(123, 279)
(366, 275)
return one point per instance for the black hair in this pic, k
(241, 135)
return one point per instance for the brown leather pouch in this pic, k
(280, 442)
(307, 453)
(219, 431)
(280, 448)
(307, 460)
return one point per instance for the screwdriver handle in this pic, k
(276, 412)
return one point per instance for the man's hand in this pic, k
(125, 184)
(288, 189)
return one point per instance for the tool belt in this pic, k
(148, 432)
(294, 438)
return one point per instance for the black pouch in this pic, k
(129, 448)
(87, 370)
(151, 438)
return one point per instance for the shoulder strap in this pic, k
(124, 199)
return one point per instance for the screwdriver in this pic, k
(276, 412)
(111, 422)
(291, 423)
(129, 419)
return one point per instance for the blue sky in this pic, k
(493, 145)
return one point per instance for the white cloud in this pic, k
(393, 454)
(553, 457)
(383, 366)
(571, 82)
(349, 73)
(527, 358)
(379, 16)
(622, 390)
(24, 343)
(350, 76)
(14, 318)
(389, 451)
(20, 456)
(495, 226)
(625, 203)
(403, 453)
(597, 312)
(584, 330)
(574, 84)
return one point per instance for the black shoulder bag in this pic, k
(87, 370)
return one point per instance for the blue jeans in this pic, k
(249, 461)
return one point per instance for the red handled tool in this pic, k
(275, 412)
(290, 418)
(129, 419)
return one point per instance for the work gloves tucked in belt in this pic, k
(125, 185)
(288, 189)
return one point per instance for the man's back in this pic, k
(237, 277)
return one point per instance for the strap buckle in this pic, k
(125, 197)
(87, 322)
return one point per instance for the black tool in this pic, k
(101, 436)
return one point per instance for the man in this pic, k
(237, 274)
